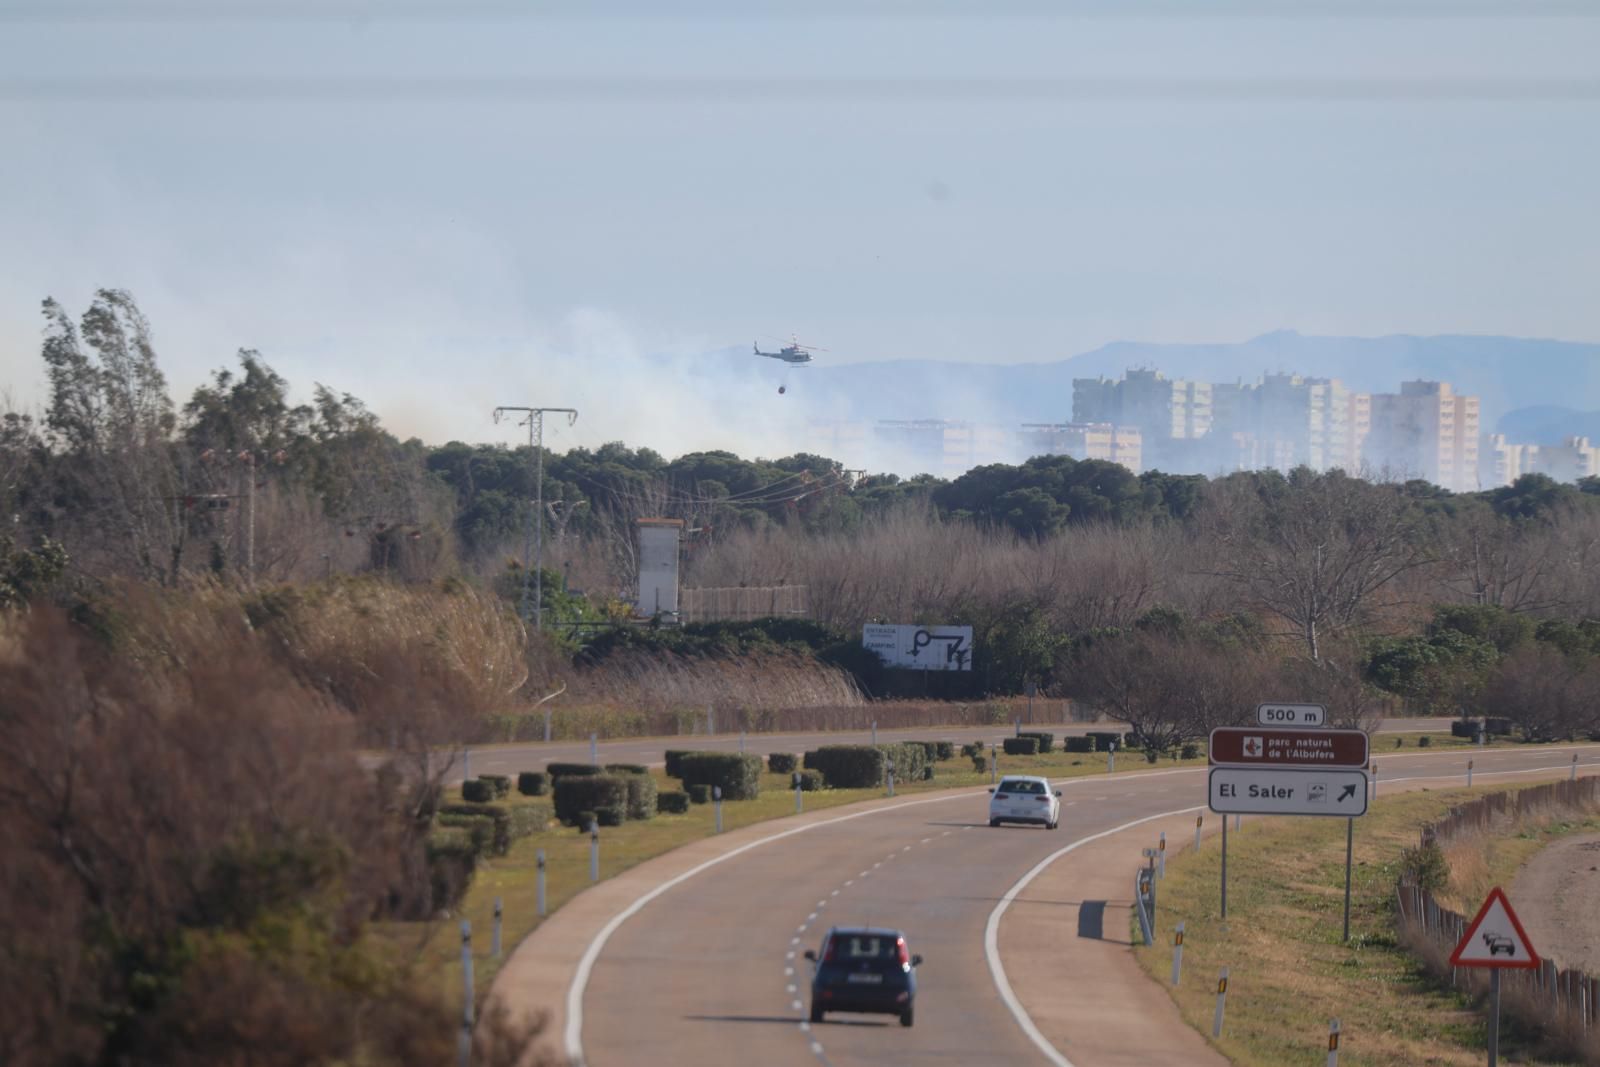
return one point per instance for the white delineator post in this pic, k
(1469, 774)
(1177, 953)
(1111, 759)
(874, 731)
(716, 797)
(494, 944)
(1573, 777)
(798, 803)
(594, 750)
(891, 781)
(1333, 1043)
(466, 765)
(464, 1043)
(1222, 999)
(994, 762)
(1161, 863)
(1198, 819)
(594, 850)
(540, 887)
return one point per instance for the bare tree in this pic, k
(1311, 549)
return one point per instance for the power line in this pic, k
(733, 90)
(534, 421)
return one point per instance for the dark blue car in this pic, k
(865, 969)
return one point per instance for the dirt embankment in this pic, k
(1557, 894)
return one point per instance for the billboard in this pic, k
(920, 648)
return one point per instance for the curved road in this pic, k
(710, 970)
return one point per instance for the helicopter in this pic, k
(793, 353)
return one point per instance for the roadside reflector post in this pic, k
(797, 801)
(874, 731)
(594, 850)
(741, 742)
(466, 765)
(594, 750)
(464, 1044)
(547, 726)
(1198, 819)
(1177, 954)
(1111, 758)
(1374, 780)
(1222, 999)
(1469, 774)
(1016, 724)
(1333, 1043)
(994, 762)
(716, 797)
(891, 781)
(494, 945)
(1573, 777)
(540, 885)
(1161, 862)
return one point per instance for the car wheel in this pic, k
(1053, 825)
(816, 1014)
(905, 1017)
(994, 822)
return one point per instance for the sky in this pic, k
(441, 207)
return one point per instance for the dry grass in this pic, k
(1289, 971)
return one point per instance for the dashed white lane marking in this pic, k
(816, 1048)
(802, 927)
(788, 972)
(805, 1025)
(793, 988)
(811, 919)
(794, 941)
(833, 894)
(851, 882)
(925, 840)
(796, 1005)
(907, 848)
(875, 866)
(863, 874)
(945, 834)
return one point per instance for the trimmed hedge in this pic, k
(781, 762)
(672, 802)
(1078, 744)
(529, 819)
(604, 794)
(477, 791)
(500, 783)
(586, 819)
(451, 858)
(627, 768)
(1047, 741)
(930, 750)
(673, 756)
(849, 766)
(1020, 746)
(502, 822)
(973, 748)
(699, 793)
(943, 750)
(811, 781)
(739, 776)
(533, 783)
(478, 828)
(642, 796)
(1104, 739)
(907, 758)
(570, 770)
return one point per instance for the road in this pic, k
(509, 759)
(711, 967)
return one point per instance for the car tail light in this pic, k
(827, 994)
(827, 955)
(900, 950)
(1042, 800)
(1002, 796)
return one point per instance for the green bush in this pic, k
(907, 758)
(1104, 739)
(1020, 746)
(930, 750)
(811, 780)
(501, 817)
(972, 748)
(642, 796)
(477, 791)
(1047, 741)
(451, 857)
(585, 819)
(739, 776)
(672, 802)
(500, 783)
(627, 768)
(529, 819)
(927, 773)
(570, 770)
(1425, 866)
(479, 829)
(1078, 744)
(943, 750)
(673, 756)
(1190, 750)
(980, 763)
(781, 762)
(699, 792)
(1424, 741)
(604, 794)
(849, 766)
(533, 783)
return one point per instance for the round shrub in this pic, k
(699, 792)
(627, 768)
(1020, 746)
(738, 776)
(500, 783)
(570, 770)
(943, 750)
(1189, 751)
(533, 783)
(673, 802)
(642, 796)
(584, 820)
(811, 781)
(604, 794)
(477, 791)
(782, 762)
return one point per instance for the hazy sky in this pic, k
(458, 208)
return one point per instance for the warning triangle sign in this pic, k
(1495, 938)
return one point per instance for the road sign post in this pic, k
(1495, 939)
(1349, 849)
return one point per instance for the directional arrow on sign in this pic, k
(1349, 791)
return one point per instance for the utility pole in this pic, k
(533, 419)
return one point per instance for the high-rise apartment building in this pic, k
(1160, 408)
(1571, 460)
(1285, 421)
(1501, 462)
(1426, 430)
(1083, 440)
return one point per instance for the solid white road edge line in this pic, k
(991, 933)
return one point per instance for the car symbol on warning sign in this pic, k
(1254, 747)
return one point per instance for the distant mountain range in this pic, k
(1518, 379)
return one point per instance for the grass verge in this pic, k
(513, 877)
(1289, 972)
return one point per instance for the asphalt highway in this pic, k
(711, 970)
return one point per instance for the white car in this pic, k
(1029, 800)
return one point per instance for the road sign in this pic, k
(1269, 791)
(1255, 746)
(1291, 715)
(1495, 938)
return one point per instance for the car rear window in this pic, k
(863, 947)
(1017, 786)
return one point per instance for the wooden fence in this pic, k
(1565, 1004)
(742, 603)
